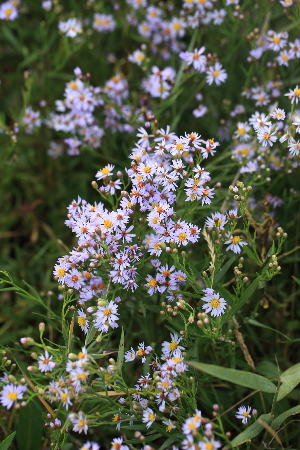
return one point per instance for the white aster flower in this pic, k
(215, 305)
(243, 413)
(10, 394)
(235, 244)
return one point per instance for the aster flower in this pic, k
(82, 321)
(106, 317)
(10, 394)
(209, 444)
(105, 172)
(235, 244)
(267, 137)
(216, 74)
(294, 95)
(243, 413)
(79, 421)
(45, 363)
(148, 417)
(215, 305)
(196, 58)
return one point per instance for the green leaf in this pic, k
(120, 359)
(90, 335)
(239, 377)
(30, 427)
(251, 255)
(258, 324)
(6, 443)
(245, 297)
(224, 269)
(278, 421)
(290, 378)
(187, 294)
(169, 441)
(267, 368)
(251, 432)
(296, 279)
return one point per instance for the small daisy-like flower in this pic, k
(235, 244)
(170, 425)
(266, 137)
(82, 321)
(45, 363)
(148, 417)
(90, 446)
(79, 421)
(105, 172)
(278, 114)
(243, 413)
(209, 444)
(217, 220)
(294, 95)
(106, 316)
(168, 348)
(10, 394)
(116, 444)
(215, 305)
(216, 74)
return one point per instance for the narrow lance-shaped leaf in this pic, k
(251, 432)
(6, 443)
(245, 297)
(239, 377)
(290, 378)
(120, 359)
(290, 412)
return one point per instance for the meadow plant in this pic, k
(170, 320)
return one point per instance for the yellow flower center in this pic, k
(81, 321)
(156, 246)
(276, 39)
(173, 345)
(147, 169)
(107, 312)
(12, 396)
(241, 131)
(152, 283)
(177, 360)
(182, 237)
(8, 12)
(177, 26)
(217, 223)
(64, 397)
(82, 423)
(151, 417)
(179, 146)
(105, 171)
(216, 73)
(60, 272)
(215, 303)
(236, 239)
(107, 224)
(73, 85)
(245, 414)
(297, 92)
(191, 426)
(81, 355)
(165, 384)
(209, 446)
(267, 136)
